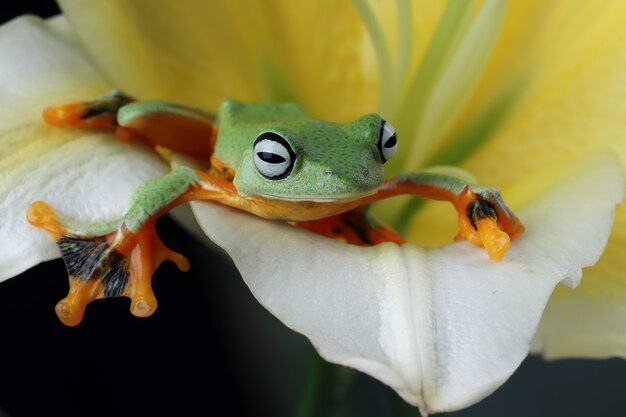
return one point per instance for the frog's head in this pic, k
(314, 160)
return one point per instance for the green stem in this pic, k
(383, 55)
(309, 399)
(451, 27)
(405, 49)
(326, 390)
(402, 221)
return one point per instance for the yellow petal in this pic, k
(543, 50)
(575, 101)
(202, 52)
(513, 56)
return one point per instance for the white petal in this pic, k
(443, 327)
(85, 175)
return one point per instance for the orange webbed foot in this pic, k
(105, 260)
(100, 113)
(485, 220)
(146, 252)
(495, 241)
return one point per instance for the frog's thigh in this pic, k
(355, 227)
(174, 126)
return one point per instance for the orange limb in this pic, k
(100, 113)
(484, 220)
(118, 263)
(77, 114)
(43, 216)
(506, 220)
(152, 123)
(74, 114)
(191, 136)
(118, 258)
(147, 252)
(353, 227)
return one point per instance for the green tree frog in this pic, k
(271, 160)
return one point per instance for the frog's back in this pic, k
(239, 124)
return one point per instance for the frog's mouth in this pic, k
(303, 207)
(330, 198)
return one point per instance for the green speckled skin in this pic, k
(147, 200)
(87, 230)
(138, 109)
(156, 194)
(333, 161)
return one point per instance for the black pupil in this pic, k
(391, 142)
(271, 158)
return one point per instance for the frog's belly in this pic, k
(225, 192)
(291, 210)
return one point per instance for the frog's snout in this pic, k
(370, 174)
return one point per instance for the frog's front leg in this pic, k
(117, 258)
(484, 218)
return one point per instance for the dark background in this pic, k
(210, 349)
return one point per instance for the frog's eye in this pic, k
(273, 156)
(387, 142)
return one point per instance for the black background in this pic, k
(210, 349)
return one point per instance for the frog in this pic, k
(271, 160)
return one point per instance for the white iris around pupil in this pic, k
(388, 141)
(271, 158)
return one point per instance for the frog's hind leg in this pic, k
(356, 227)
(153, 123)
(174, 126)
(105, 260)
(100, 113)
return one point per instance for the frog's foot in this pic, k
(485, 220)
(105, 260)
(355, 227)
(100, 113)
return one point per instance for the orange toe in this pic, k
(495, 241)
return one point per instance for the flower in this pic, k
(443, 327)
(555, 92)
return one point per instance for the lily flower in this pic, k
(467, 84)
